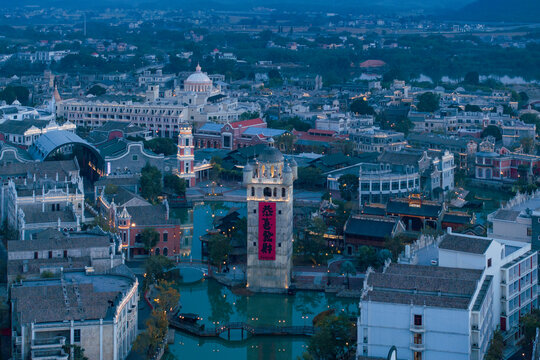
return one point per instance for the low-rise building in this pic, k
(370, 230)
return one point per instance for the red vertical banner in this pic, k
(267, 231)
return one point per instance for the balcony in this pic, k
(49, 355)
(48, 343)
(417, 328)
(417, 347)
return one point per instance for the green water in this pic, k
(217, 304)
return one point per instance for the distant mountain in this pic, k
(500, 10)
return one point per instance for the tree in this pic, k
(12, 93)
(165, 146)
(348, 186)
(428, 102)
(219, 248)
(528, 144)
(395, 244)
(96, 90)
(168, 296)
(367, 256)
(529, 322)
(492, 130)
(149, 238)
(285, 143)
(333, 338)
(496, 347)
(472, 78)
(78, 352)
(361, 107)
(248, 115)
(175, 183)
(472, 108)
(151, 183)
(149, 341)
(531, 118)
(348, 268)
(309, 177)
(155, 268)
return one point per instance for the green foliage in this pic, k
(529, 323)
(367, 256)
(248, 115)
(219, 247)
(155, 268)
(103, 223)
(289, 124)
(472, 78)
(175, 183)
(348, 268)
(395, 245)
(492, 130)
(285, 143)
(334, 338)
(348, 186)
(428, 102)
(78, 352)
(309, 177)
(399, 124)
(165, 146)
(496, 347)
(151, 183)
(47, 275)
(12, 93)
(531, 118)
(96, 90)
(313, 247)
(472, 108)
(149, 341)
(361, 107)
(149, 238)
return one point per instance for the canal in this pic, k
(217, 304)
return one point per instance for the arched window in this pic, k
(252, 191)
(283, 192)
(165, 251)
(275, 192)
(157, 251)
(267, 191)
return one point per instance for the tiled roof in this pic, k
(60, 242)
(406, 207)
(246, 123)
(400, 158)
(468, 244)
(266, 132)
(507, 215)
(424, 286)
(370, 226)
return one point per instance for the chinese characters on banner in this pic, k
(267, 231)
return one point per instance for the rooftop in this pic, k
(463, 243)
(423, 285)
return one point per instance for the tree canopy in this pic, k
(12, 93)
(151, 186)
(428, 102)
(165, 146)
(492, 130)
(149, 238)
(96, 90)
(334, 338)
(361, 107)
(176, 184)
(348, 186)
(219, 247)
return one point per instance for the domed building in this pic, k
(198, 82)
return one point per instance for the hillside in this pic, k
(499, 11)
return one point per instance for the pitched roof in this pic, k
(370, 226)
(400, 157)
(246, 123)
(462, 243)
(412, 207)
(59, 242)
(266, 132)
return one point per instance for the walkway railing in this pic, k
(264, 330)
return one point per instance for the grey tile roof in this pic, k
(86, 298)
(400, 158)
(370, 226)
(506, 215)
(424, 285)
(59, 242)
(468, 244)
(33, 214)
(49, 168)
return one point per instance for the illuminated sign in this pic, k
(267, 231)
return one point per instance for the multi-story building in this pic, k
(513, 267)
(17, 112)
(377, 140)
(426, 312)
(155, 78)
(343, 123)
(23, 133)
(269, 184)
(52, 251)
(97, 312)
(462, 148)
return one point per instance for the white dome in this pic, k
(198, 77)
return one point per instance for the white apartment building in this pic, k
(426, 312)
(96, 312)
(513, 266)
